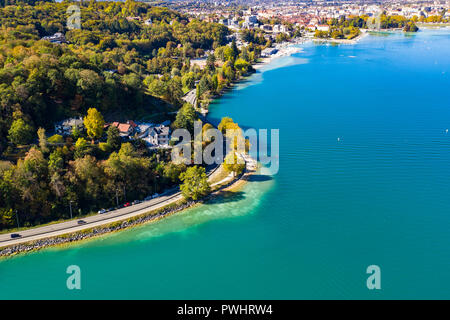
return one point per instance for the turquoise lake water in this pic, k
(378, 196)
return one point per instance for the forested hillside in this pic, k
(128, 60)
(103, 65)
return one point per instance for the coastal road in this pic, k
(97, 220)
(191, 97)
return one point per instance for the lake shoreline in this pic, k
(286, 49)
(150, 217)
(378, 196)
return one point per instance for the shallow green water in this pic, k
(379, 195)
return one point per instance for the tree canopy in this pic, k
(195, 183)
(94, 123)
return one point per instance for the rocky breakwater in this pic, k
(82, 235)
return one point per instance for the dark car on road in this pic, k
(15, 235)
(81, 222)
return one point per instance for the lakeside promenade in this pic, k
(73, 226)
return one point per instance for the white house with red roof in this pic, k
(126, 129)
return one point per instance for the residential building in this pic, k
(323, 27)
(155, 135)
(125, 129)
(56, 38)
(66, 127)
(159, 136)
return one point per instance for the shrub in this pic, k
(104, 147)
(56, 139)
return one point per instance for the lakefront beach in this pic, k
(293, 46)
(284, 49)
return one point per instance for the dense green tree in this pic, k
(56, 139)
(223, 124)
(210, 62)
(410, 27)
(232, 165)
(94, 123)
(30, 177)
(203, 86)
(186, 117)
(242, 65)
(172, 171)
(88, 179)
(20, 132)
(42, 140)
(195, 183)
(188, 80)
(81, 148)
(174, 91)
(114, 139)
(56, 161)
(234, 48)
(7, 217)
